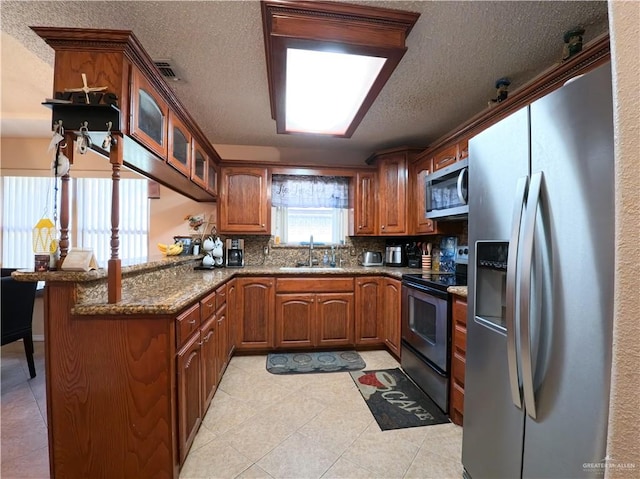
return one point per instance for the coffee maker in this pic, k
(234, 253)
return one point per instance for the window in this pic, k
(305, 206)
(27, 199)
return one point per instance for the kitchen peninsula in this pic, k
(144, 370)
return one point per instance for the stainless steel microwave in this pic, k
(447, 192)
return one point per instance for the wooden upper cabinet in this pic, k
(199, 165)
(463, 149)
(179, 145)
(392, 200)
(212, 177)
(365, 204)
(422, 225)
(445, 157)
(149, 115)
(244, 200)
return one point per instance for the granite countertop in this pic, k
(183, 287)
(458, 290)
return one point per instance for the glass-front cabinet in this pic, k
(212, 177)
(150, 115)
(199, 166)
(179, 145)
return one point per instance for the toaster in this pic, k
(372, 258)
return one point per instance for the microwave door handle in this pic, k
(512, 263)
(533, 201)
(461, 177)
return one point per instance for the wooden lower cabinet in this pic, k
(210, 376)
(458, 359)
(295, 314)
(391, 314)
(334, 319)
(369, 319)
(254, 313)
(189, 365)
(320, 319)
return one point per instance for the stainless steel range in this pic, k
(426, 328)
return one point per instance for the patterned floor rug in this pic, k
(315, 362)
(395, 401)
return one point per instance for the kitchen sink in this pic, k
(307, 269)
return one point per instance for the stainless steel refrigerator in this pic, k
(541, 283)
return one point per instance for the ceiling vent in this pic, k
(168, 70)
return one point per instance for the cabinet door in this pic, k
(463, 149)
(179, 145)
(244, 205)
(446, 157)
(222, 340)
(365, 204)
(255, 313)
(369, 327)
(212, 177)
(209, 340)
(334, 319)
(189, 361)
(199, 165)
(231, 317)
(391, 314)
(422, 225)
(392, 202)
(294, 319)
(149, 115)
(458, 358)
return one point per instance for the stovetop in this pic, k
(436, 280)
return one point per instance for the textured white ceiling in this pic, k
(455, 53)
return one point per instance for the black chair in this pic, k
(17, 313)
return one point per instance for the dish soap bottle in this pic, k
(325, 259)
(332, 263)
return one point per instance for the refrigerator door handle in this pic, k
(533, 200)
(512, 262)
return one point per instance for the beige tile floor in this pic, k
(258, 426)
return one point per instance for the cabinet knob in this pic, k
(382, 227)
(262, 225)
(359, 227)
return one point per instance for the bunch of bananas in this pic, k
(172, 249)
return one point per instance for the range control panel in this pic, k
(462, 254)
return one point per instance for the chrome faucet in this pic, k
(311, 251)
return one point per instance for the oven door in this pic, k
(425, 324)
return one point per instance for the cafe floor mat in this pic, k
(315, 362)
(395, 401)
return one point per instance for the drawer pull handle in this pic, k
(192, 321)
(209, 305)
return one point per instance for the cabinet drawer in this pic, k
(207, 306)
(187, 323)
(315, 285)
(460, 337)
(459, 310)
(221, 296)
(457, 398)
(457, 367)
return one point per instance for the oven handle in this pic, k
(512, 263)
(528, 232)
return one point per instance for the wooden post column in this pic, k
(115, 264)
(69, 137)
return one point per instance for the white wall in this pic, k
(623, 446)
